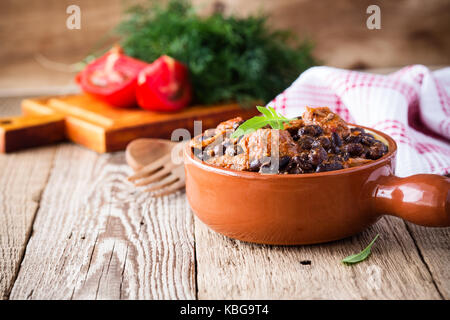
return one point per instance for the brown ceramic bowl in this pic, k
(293, 209)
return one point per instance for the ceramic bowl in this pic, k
(291, 209)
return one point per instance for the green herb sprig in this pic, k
(355, 258)
(269, 117)
(229, 58)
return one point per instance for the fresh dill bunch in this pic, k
(229, 58)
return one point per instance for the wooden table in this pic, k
(72, 227)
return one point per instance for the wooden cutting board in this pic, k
(103, 128)
(25, 132)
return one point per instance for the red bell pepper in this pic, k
(164, 85)
(112, 78)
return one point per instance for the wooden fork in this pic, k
(165, 176)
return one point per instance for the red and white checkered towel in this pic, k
(411, 105)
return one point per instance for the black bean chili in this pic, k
(318, 141)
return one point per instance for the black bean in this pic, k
(365, 152)
(381, 145)
(284, 162)
(354, 149)
(319, 131)
(290, 166)
(304, 157)
(323, 142)
(367, 139)
(357, 129)
(353, 139)
(329, 166)
(336, 140)
(317, 156)
(295, 170)
(345, 156)
(376, 151)
(255, 164)
(332, 157)
(301, 162)
(295, 160)
(310, 130)
(306, 142)
(269, 166)
(374, 154)
(306, 167)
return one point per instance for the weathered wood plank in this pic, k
(434, 248)
(23, 176)
(96, 237)
(229, 269)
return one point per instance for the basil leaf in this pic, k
(265, 111)
(355, 258)
(249, 126)
(272, 110)
(269, 117)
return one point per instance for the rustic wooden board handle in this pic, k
(22, 132)
(423, 199)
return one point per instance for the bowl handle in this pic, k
(423, 199)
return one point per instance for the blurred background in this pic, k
(38, 51)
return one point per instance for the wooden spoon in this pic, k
(141, 152)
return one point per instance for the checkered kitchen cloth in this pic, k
(411, 105)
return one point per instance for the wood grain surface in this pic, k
(96, 237)
(23, 176)
(231, 269)
(433, 245)
(71, 227)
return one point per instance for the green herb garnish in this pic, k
(269, 117)
(229, 58)
(355, 258)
